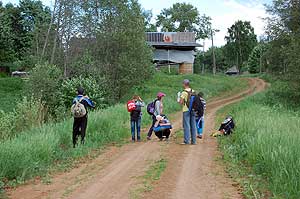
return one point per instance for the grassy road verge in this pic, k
(263, 153)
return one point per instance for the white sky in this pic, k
(223, 12)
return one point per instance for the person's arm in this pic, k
(183, 97)
(90, 103)
(157, 108)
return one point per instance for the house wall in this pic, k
(186, 68)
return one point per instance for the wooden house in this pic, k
(174, 48)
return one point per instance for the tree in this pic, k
(121, 49)
(257, 58)
(182, 17)
(7, 52)
(150, 27)
(283, 29)
(241, 39)
(206, 58)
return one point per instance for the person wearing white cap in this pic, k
(189, 120)
(158, 111)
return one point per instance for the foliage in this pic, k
(182, 17)
(267, 139)
(283, 29)
(257, 59)
(92, 88)
(44, 84)
(206, 59)
(28, 113)
(150, 27)
(33, 151)
(241, 39)
(122, 53)
(20, 28)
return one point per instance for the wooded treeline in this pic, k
(102, 39)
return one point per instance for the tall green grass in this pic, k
(267, 138)
(10, 92)
(33, 152)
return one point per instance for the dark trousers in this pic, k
(151, 128)
(79, 128)
(163, 133)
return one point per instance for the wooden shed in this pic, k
(174, 48)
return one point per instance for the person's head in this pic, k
(135, 97)
(80, 91)
(186, 83)
(200, 94)
(159, 118)
(160, 95)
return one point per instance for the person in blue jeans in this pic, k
(189, 119)
(136, 118)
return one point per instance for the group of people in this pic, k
(193, 106)
(193, 117)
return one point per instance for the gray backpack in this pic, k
(78, 110)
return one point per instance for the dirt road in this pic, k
(191, 172)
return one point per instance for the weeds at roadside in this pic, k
(262, 154)
(152, 175)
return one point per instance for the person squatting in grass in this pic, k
(200, 119)
(80, 114)
(136, 118)
(189, 119)
(158, 103)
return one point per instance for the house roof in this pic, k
(172, 39)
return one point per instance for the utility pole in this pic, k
(203, 66)
(212, 32)
(213, 52)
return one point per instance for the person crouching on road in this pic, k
(159, 107)
(189, 120)
(79, 110)
(136, 118)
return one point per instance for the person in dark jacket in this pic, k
(80, 124)
(136, 118)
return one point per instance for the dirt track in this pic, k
(191, 172)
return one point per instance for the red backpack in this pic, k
(131, 105)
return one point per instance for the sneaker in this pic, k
(183, 143)
(133, 141)
(199, 136)
(148, 138)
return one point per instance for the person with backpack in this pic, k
(187, 99)
(135, 116)
(200, 116)
(155, 108)
(79, 111)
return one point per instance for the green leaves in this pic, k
(241, 39)
(182, 17)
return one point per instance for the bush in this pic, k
(44, 83)
(27, 114)
(92, 88)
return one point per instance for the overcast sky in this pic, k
(223, 12)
